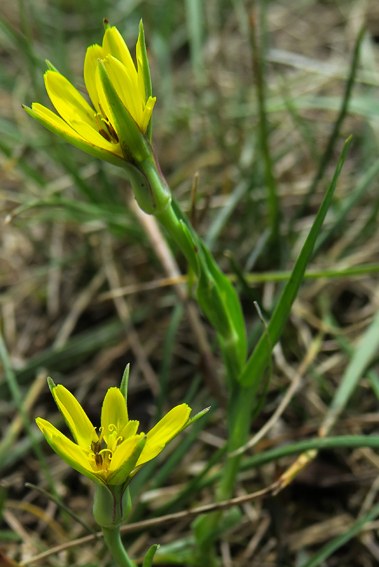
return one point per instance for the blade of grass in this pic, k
(225, 213)
(363, 355)
(348, 204)
(194, 19)
(169, 344)
(272, 197)
(17, 398)
(257, 362)
(77, 348)
(320, 443)
(339, 541)
(328, 154)
(64, 507)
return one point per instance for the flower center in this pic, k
(103, 447)
(105, 127)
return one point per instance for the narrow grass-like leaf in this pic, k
(272, 196)
(253, 370)
(325, 159)
(17, 398)
(272, 455)
(348, 204)
(363, 355)
(65, 508)
(225, 213)
(340, 540)
(194, 18)
(149, 557)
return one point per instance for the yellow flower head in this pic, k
(112, 454)
(96, 129)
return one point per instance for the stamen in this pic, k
(96, 449)
(105, 451)
(113, 133)
(112, 427)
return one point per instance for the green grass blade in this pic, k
(225, 213)
(337, 127)
(349, 203)
(18, 401)
(258, 361)
(194, 19)
(272, 196)
(339, 541)
(272, 455)
(364, 354)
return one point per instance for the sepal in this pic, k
(143, 63)
(111, 506)
(124, 382)
(132, 141)
(141, 189)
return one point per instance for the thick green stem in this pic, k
(113, 540)
(177, 231)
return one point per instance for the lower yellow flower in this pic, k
(113, 454)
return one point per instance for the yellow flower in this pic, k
(97, 130)
(114, 454)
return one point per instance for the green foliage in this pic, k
(253, 371)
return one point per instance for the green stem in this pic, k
(239, 427)
(176, 229)
(113, 540)
(239, 412)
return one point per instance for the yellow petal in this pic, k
(71, 453)
(68, 102)
(94, 52)
(103, 101)
(163, 432)
(93, 137)
(114, 413)
(56, 121)
(123, 452)
(130, 429)
(58, 126)
(125, 88)
(147, 113)
(114, 44)
(75, 416)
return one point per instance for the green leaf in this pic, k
(339, 541)
(255, 366)
(363, 355)
(149, 557)
(220, 303)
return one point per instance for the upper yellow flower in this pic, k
(115, 453)
(97, 130)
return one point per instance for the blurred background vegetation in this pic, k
(85, 288)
